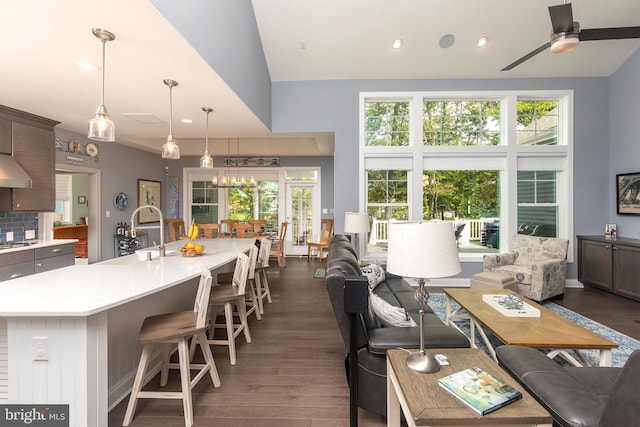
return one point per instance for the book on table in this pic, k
(479, 390)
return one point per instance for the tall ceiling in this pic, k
(302, 40)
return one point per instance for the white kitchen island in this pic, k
(89, 317)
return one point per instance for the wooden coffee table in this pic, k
(549, 331)
(425, 403)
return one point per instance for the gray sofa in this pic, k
(374, 340)
(585, 397)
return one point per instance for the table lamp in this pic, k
(423, 250)
(356, 223)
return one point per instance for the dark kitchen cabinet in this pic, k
(33, 147)
(32, 260)
(52, 257)
(610, 264)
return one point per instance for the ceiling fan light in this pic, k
(565, 41)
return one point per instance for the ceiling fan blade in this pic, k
(561, 18)
(609, 33)
(527, 57)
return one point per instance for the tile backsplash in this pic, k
(18, 223)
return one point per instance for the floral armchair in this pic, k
(539, 264)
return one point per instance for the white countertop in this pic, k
(84, 290)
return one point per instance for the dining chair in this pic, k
(277, 246)
(226, 227)
(259, 226)
(176, 229)
(210, 231)
(230, 297)
(169, 329)
(326, 231)
(262, 283)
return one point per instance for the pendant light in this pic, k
(206, 161)
(170, 149)
(101, 128)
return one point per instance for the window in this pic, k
(537, 207)
(387, 195)
(494, 164)
(261, 202)
(387, 124)
(537, 122)
(204, 202)
(63, 198)
(461, 123)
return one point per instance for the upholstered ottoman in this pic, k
(494, 279)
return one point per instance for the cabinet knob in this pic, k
(615, 248)
(39, 265)
(14, 275)
(56, 250)
(606, 246)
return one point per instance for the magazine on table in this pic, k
(479, 390)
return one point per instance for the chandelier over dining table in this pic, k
(230, 180)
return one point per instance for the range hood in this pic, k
(11, 173)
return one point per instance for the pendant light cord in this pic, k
(104, 42)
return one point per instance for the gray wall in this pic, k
(120, 168)
(624, 137)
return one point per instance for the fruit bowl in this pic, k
(191, 249)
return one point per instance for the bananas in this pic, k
(194, 231)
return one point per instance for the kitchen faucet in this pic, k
(140, 227)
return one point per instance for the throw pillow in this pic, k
(374, 273)
(389, 315)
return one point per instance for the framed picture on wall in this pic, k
(628, 193)
(149, 193)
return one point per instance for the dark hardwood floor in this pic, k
(292, 373)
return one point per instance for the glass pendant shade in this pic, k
(206, 161)
(170, 149)
(101, 127)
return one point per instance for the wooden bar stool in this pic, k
(176, 229)
(229, 297)
(262, 284)
(169, 329)
(277, 246)
(226, 278)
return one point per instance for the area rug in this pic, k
(619, 355)
(319, 273)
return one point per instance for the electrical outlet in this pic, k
(40, 348)
(9, 236)
(30, 234)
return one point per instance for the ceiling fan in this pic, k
(567, 34)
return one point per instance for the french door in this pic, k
(302, 213)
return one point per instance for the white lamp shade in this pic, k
(422, 249)
(355, 222)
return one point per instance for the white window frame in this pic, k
(506, 157)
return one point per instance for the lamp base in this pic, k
(423, 362)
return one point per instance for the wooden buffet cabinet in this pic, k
(74, 232)
(610, 264)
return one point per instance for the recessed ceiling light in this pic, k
(397, 43)
(447, 41)
(186, 121)
(482, 41)
(87, 66)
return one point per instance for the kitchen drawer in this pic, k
(51, 263)
(16, 270)
(16, 257)
(52, 251)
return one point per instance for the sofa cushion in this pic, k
(389, 315)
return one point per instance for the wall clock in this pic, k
(121, 201)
